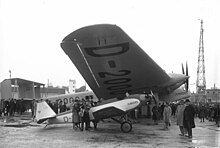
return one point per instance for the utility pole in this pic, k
(201, 81)
(10, 74)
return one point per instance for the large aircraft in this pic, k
(117, 70)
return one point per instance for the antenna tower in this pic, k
(201, 82)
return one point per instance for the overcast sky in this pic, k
(168, 30)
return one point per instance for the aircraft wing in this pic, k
(111, 62)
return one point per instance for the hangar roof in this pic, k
(23, 82)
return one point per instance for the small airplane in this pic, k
(117, 70)
(121, 107)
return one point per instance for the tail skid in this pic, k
(44, 112)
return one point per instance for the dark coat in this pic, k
(75, 113)
(188, 118)
(155, 113)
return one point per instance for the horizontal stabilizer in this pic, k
(44, 112)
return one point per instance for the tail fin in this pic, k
(44, 112)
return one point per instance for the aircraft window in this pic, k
(71, 100)
(65, 100)
(91, 97)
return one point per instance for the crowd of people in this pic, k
(11, 106)
(185, 112)
(80, 114)
(58, 106)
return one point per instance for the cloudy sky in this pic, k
(168, 30)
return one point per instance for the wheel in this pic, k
(126, 127)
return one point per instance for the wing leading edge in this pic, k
(111, 62)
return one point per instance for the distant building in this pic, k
(18, 88)
(213, 95)
(72, 86)
(26, 90)
(52, 91)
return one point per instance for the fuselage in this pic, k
(104, 111)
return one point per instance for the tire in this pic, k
(126, 127)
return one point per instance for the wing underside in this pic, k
(111, 62)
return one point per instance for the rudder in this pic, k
(44, 112)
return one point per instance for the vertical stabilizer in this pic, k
(44, 112)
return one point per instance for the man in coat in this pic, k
(167, 115)
(217, 115)
(188, 118)
(179, 115)
(75, 114)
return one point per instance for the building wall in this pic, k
(18, 91)
(51, 91)
(6, 91)
(213, 95)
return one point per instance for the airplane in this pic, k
(117, 70)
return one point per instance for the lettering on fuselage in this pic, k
(65, 119)
(68, 100)
(134, 102)
(181, 93)
(119, 82)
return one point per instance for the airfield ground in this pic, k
(22, 132)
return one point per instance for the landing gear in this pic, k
(126, 125)
(47, 123)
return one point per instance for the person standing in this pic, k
(167, 115)
(22, 109)
(1, 107)
(179, 114)
(32, 107)
(6, 107)
(161, 109)
(202, 111)
(85, 116)
(35, 108)
(12, 107)
(188, 118)
(60, 106)
(64, 107)
(75, 114)
(217, 115)
(56, 107)
(155, 116)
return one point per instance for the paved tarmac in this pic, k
(20, 131)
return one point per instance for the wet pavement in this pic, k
(23, 132)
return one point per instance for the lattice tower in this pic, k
(201, 81)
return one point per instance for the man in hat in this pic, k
(188, 118)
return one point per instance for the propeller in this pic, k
(183, 69)
(187, 80)
(187, 74)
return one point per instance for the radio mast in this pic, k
(201, 81)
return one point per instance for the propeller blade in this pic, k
(183, 69)
(187, 80)
(187, 69)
